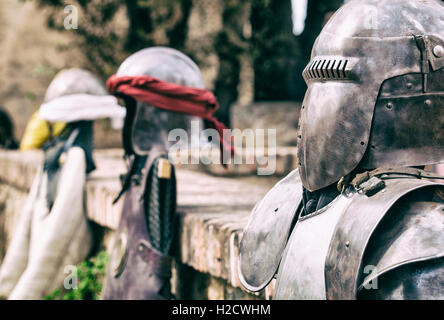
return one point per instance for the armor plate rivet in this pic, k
(389, 105)
(347, 244)
(438, 51)
(428, 102)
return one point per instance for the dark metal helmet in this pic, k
(74, 81)
(375, 90)
(145, 124)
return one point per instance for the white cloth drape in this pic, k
(47, 241)
(79, 107)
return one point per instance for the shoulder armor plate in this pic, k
(344, 262)
(267, 232)
(412, 233)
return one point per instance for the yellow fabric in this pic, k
(38, 132)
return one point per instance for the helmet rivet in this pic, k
(389, 105)
(428, 102)
(438, 51)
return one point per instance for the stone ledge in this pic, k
(213, 210)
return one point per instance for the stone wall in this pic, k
(11, 201)
(283, 116)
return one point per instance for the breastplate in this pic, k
(324, 254)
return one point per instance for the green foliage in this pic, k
(91, 274)
(98, 35)
(30, 95)
(107, 36)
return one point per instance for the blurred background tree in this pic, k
(245, 48)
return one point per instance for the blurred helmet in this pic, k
(375, 90)
(74, 81)
(145, 124)
(66, 82)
